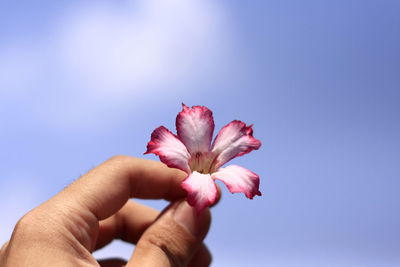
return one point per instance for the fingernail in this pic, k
(186, 216)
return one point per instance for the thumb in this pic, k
(173, 239)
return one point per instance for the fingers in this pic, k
(202, 258)
(173, 239)
(131, 221)
(105, 189)
(127, 224)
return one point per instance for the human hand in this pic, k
(95, 209)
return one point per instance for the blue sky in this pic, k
(81, 81)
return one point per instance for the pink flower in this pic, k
(192, 152)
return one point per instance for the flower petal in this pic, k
(239, 180)
(201, 189)
(195, 127)
(233, 140)
(169, 148)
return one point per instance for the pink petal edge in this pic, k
(239, 180)
(169, 148)
(201, 189)
(234, 140)
(195, 128)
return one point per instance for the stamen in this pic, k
(200, 162)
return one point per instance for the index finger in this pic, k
(106, 188)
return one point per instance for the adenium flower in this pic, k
(192, 152)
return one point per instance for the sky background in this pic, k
(81, 81)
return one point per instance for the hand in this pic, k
(95, 209)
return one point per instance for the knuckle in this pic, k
(33, 224)
(3, 248)
(25, 227)
(26, 222)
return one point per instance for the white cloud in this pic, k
(149, 43)
(99, 56)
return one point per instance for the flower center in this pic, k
(202, 163)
